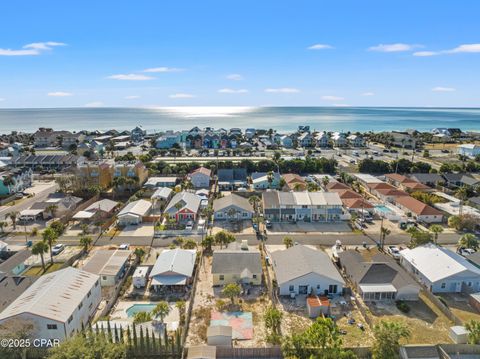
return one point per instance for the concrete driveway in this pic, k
(141, 230)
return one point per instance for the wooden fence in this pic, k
(228, 352)
(443, 308)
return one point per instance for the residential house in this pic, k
(137, 135)
(339, 139)
(294, 182)
(63, 204)
(161, 196)
(460, 179)
(58, 304)
(135, 170)
(45, 162)
(200, 177)
(402, 139)
(134, 212)
(419, 210)
(15, 180)
(385, 191)
(184, 206)
(429, 179)
(47, 137)
(356, 141)
(306, 140)
(168, 140)
(237, 264)
(303, 270)
(286, 141)
(71, 140)
(232, 178)
(97, 211)
(250, 133)
(470, 150)
(156, 182)
(110, 265)
(96, 173)
(322, 139)
(378, 278)
(440, 269)
(302, 206)
(12, 286)
(406, 184)
(262, 180)
(173, 269)
(233, 207)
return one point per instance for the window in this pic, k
(51, 326)
(254, 276)
(96, 283)
(291, 288)
(443, 285)
(70, 319)
(318, 286)
(104, 277)
(222, 277)
(89, 294)
(90, 306)
(80, 306)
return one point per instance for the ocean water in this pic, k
(280, 118)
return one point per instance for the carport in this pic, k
(28, 215)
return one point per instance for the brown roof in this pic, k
(292, 179)
(398, 177)
(417, 206)
(336, 186)
(348, 194)
(392, 192)
(356, 203)
(318, 301)
(380, 185)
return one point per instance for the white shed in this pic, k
(459, 334)
(219, 335)
(140, 277)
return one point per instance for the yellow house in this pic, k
(237, 264)
(99, 173)
(131, 169)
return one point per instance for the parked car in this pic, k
(394, 251)
(58, 248)
(268, 224)
(189, 226)
(465, 251)
(124, 246)
(19, 195)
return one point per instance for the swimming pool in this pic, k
(136, 308)
(383, 209)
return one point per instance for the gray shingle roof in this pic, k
(232, 200)
(188, 200)
(235, 261)
(299, 260)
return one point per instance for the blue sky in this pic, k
(239, 53)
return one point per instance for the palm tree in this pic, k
(13, 217)
(270, 178)
(468, 240)
(288, 241)
(231, 291)
(297, 187)
(436, 229)
(49, 235)
(189, 244)
(161, 310)
(462, 194)
(384, 233)
(85, 241)
(232, 213)
(139, 253)
(207, 242)
(325, 181)
(52, 209)
(40, 248)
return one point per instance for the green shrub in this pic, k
(402, 306)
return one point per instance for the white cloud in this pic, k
(319, 47)
(469, 48)
(130, 77)
(332, 98)
(132, 97)
(425, 53)
(399, 47)
(443, 89)
(181, 95)
(2, 99)
(282, 90)
(340, 105)
(235, 77)
(59, 94)
(368, 94)
(164, 69)
(94, 104)
(229, 90)
(32, 49)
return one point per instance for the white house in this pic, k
(134, 212)
(441, 270)
(232, 207)
(57, 304)
(173, 268)
(200, 178)
(470, 150)
(303, 270)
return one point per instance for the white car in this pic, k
(58, 248)
(466, 251)
(124, 246)
(189, 226)
(394, 251)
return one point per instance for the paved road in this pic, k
(312, 239)
(27, 202)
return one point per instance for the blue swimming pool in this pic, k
(383, 209)
(136, 308)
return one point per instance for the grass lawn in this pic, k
(458, 304)
(38, 270)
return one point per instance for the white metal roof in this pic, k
(106, 262)
(175, 261)
(162, 192)
(367, 178)
(30, 212)
(83, 215)
(437, 263)
(55, 295)
(140, 272)
(375, 288)
(139, 208)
